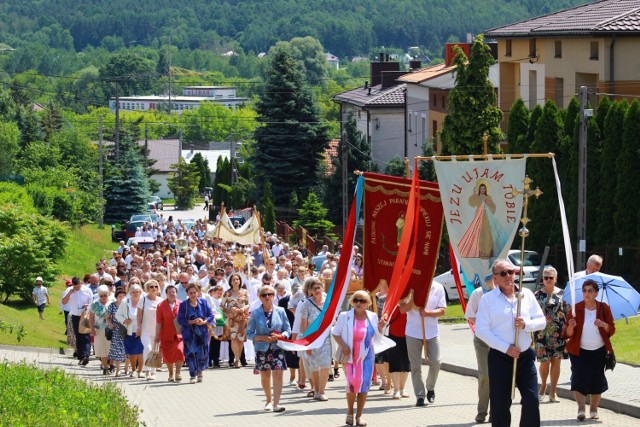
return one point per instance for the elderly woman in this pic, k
(127, 314)
(589, 334)
(117, 351)
(549, 343)
(358, 333)
(147, 314)
(166, 334)
(194, 315)
(319, 360)
(235, 304)
(98, 322)
(268, 324)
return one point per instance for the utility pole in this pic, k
(100, 172)
(345, 184)
(117, 134)
(169, 72)
(582, 178)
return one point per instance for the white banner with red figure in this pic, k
(481, 212)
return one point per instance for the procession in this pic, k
(215, 296)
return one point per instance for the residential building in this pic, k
(190, 99)
(551, 56)
(334, 61)
(379, 110)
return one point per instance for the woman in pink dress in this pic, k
(358, 333)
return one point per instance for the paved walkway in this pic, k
(233, 397)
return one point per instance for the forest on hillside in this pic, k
(344, 28)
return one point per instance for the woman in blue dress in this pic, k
(117, 352)
(195, 315)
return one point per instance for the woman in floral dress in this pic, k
(549, 342)
(235, 304)
(117, 353)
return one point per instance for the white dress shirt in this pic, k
(495, 320)
(436, 300)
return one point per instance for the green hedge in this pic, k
(34, 397)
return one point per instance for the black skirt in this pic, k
(397, 356)
(587, 372)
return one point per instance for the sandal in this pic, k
(594, 416)
(349, 420)
(361, 422)
(581, 416)
(383, 387)
(311, 394)
(170, 379)
(178, 378)
(336, 372)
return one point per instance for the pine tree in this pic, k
(594, 181)
(269, 220)
(395, 167)
(627, 204)
(544, 210)
(533, 125)
(517, 127)
(472, 103)
(601, 114)
(426, 170)
(613, 128)
(216, 198)
(313, 216)
(291, 142)
(203, 170)
(126, 187)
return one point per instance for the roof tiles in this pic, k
(375, 96)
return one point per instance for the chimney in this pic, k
(389, 78)
(381, 57)
(415, 65)
(377, 68)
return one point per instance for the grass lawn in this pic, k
(86, 246)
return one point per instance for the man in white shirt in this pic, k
(422, 323)
(496, 325)
(481, 350)
(40, 297)
(79, 298)
(594, 264)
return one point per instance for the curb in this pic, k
(562, 391)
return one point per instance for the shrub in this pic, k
(32, 396)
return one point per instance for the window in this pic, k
(559, 83)
(532, 48)
(558, 49)
(443, 101)
(594, 51)
(434, 128)
(508, 48)
(435, 101)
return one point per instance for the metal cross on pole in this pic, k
(523, 232)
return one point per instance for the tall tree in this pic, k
(613, 128)
(395, 167)
(126, 187)
(472, 103)
(519, 117)
(203, 170)
(184, 184)
(269, 220)
(627, 207)
(291, 141)
(544, 211)
(311, 54)
(9, 137)
(130, 72)
(313, 216)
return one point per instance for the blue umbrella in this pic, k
(614, 290)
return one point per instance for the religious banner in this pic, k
(248, 234)
(386, 214)
(481, 212)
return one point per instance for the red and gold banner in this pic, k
(386, 199)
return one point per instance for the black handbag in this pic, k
(108, 333)
(610, 361)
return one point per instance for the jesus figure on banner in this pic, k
(485, 236)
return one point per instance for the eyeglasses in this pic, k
(153, 287)
(359, 301)
(267, 295)
(548, 277)
(104, 295)
(505, 273)
(589, 291)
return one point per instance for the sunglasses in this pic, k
(267, 295)
(548, 277)
(153, 287)
(505, 273)
(359, 301)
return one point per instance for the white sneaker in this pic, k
(268, 407)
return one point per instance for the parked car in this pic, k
(449, 284)
(143, 242)
(141, 217)
(531, 267)
(188, 223)
(157, 201)
(132, 226)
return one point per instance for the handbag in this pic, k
(84, 327)
(108, 334)
(339, 356)
(610, 361)
(154, 359)
(122, 331)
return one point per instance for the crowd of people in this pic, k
(213, 303)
